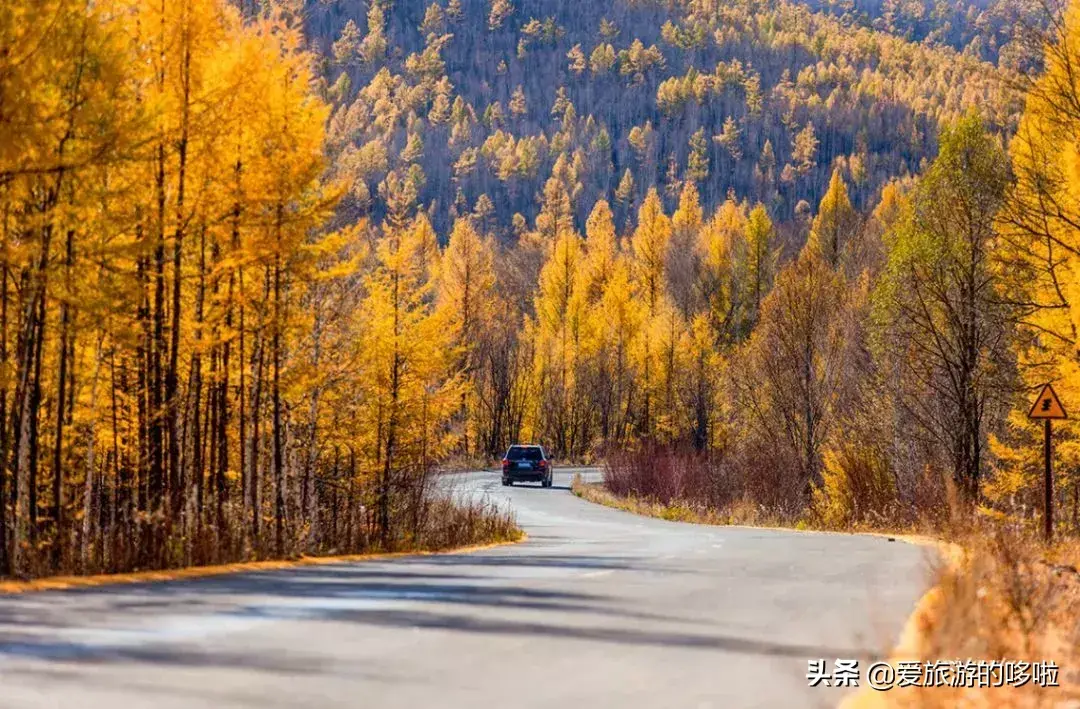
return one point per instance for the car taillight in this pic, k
(506, 463)
(543, 463)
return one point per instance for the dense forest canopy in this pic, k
(993, 30)
(467, 106)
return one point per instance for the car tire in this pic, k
(547, 481)
(507, 483)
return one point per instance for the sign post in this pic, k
(1047, 408)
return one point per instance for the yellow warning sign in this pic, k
(1047, 406)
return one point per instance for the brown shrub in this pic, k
(758, 486)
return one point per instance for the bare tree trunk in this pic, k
(245, 477)
(123, 507)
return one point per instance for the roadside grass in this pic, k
(449, 525)
(461, 463)
(997, 593)
(59, 583)
(1003, 597)
(744, 513)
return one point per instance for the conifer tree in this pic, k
(559, 312)
(835, 224)
(761, 258)
(466, 294)
(407, 350)
(649, 247)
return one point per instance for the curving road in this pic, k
(598, 608)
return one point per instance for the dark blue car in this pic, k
(526, 464)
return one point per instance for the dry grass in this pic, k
(56, 583)
(1003, 597)
(466, 463)
(446, 525)
(742, 513)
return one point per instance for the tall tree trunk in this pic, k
(5, 555)
(155, 433)
(172, 403)
(61, 405)
(241, 414)
(91, 453)
(309, 503)
(279, 473)
(258, 358)
(156, 398)
(34, 420)
(124, 479)
(235, 275)
(195, 416)
(219, 460)
(385, 485)
(143, 470)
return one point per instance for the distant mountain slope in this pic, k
(985, 29)
(444, 104)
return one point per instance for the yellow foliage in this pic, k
(1039, 245)
(835, 224)
(857, 486)
(650, 247)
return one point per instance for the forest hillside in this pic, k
(466, 106)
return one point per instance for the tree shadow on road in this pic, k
(619, 635)
(447, 593)
(124, 623)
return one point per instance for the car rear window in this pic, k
(524, 453)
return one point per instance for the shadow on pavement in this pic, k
(32, 646)
(621, 636)
(449, 593)
(169, 623)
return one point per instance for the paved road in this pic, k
(598, 608)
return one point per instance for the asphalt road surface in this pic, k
(598, 608)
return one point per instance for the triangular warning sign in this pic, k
(1047, 406)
